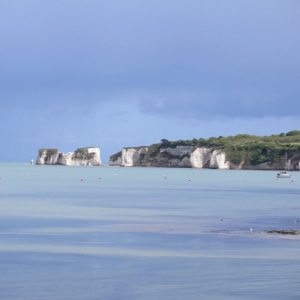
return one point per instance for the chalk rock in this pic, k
(89, 156)
(180, 156)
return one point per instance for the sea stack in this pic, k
(89, 156)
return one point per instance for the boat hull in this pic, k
(286, 175)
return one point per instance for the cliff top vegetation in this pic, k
(82, 153)
(282, 138)
(245, 147)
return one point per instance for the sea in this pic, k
(147, 233)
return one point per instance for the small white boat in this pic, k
(284, 174)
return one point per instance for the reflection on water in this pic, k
(135, 235)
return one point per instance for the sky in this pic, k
(123, 73)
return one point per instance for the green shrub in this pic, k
(293, 132)
(83, 153)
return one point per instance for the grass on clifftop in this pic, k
(82, 153)
(251, 149)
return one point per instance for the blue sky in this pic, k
(127, 73)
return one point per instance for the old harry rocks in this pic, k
(89, 156)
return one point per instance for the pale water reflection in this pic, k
(138, 236)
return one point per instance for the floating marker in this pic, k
(251, 229)
(190, 179)
(81, 179)
(221, 219)
(100, 177)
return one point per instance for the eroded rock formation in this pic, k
(89, 156)
(181, 156)
(190, 157)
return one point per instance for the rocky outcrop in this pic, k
(208, 158)
(117, 162)
(89, 156)
(181, 156)
(190, 157)
(132, 157)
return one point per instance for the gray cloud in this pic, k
(62, 62)
(239, 94)
(196, 58)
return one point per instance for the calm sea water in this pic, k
(134, 235)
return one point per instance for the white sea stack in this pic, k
(89, 156)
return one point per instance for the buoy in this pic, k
(190, 179)
(115, 174)
(221, 219)
(81, 179)
(251, 229)
(100, 178)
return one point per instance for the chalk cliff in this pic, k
(190, 157)
(243, 151)
(181, 156)
(89, 156)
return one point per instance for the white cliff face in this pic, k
(217, 160)
(91, 157)
(181, 156)
(41, 159)
(127, 157)
(186, 157)
(289, 164)
(95, 156)
(202, 157)
(130, 157)
(45, 158)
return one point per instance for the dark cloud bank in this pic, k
(193, 58)
(63, 61)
